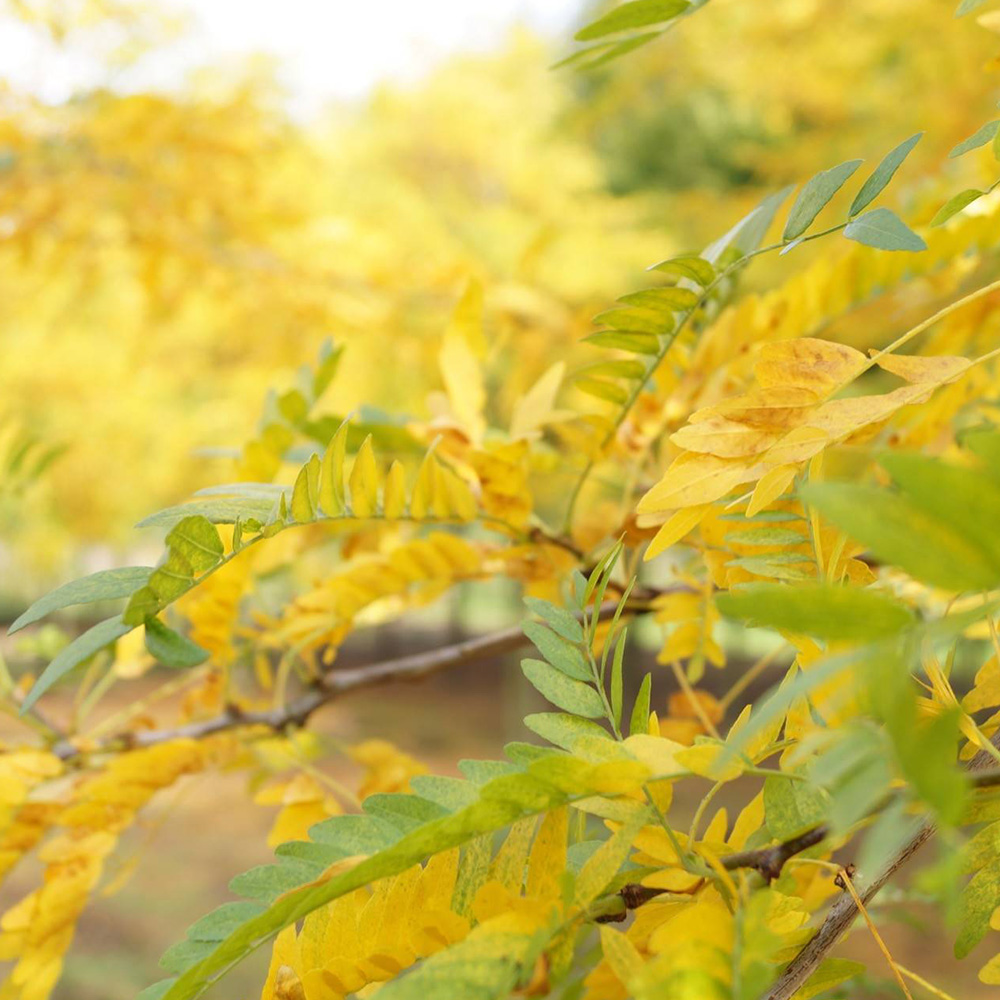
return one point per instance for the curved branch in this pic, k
(332, 685)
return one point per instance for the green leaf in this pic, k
(605, 52)
(815, 195)
(562, 655)
(978, 901)
(144, 603)
(978, 138)
(623, 340)
(883, 229)
(293, 406)
(822, 610)
(765, 536)
(882, 174)
(246, 491)
(792, 807)
(179, 956)
(617, 680)
(622, 368)
(634, 14)
(983, 848)
(636, 320)
(157, 991)
(326, 370)
(926, 753)
(404, 812)
(564, 731)
(831, 972)
(748, 234)
(564, 692)
(167, 582)
(222, 921)
(81, 648)
(691, 267)
(479, 772)
(968, 6)
(171, 648)
(778, 565)
(551, 781)
(303, 510)
(105, 585)
(669, 299)
(602, 390)
(222, 511)
(604, 864)
(639, 721)
(886, 836)
(198, 541)
(941, 489)
(488, 965)
(558, 619)
(955, 204)
(899, 532)
(984, 442)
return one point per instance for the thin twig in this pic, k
(842, 914)
(330, 687)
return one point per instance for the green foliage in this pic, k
(882, 174)
(718, 442)
(81, 649)
(883, 229)
(105, 585)
(817, 609)
(815, 195)
(978, 138)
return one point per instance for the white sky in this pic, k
(327, 48)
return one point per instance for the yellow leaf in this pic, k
(459, 364)
(657, 753)
(508, 865)
(679, 607)
(693, 480)
(990, 972)
(364, 481)
(750, 819)
(394, 500)
(797, 446)
(708, 922)
(680, 524)
(548, 855)
(704, 759)
(725, 438)
(807, 363)
(458, 496)
(302, 508)
(331, 480)
(621, 955)
(422, 501)
(770, 486)
(914, 368)
(467, 319)
(537, 406)
(776, 407)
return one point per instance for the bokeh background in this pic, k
(193, 200)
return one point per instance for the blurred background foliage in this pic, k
(166, 257)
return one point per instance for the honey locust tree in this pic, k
(819, 460)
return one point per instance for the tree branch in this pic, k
(841, 915)
(769, 861)
(331, 686)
